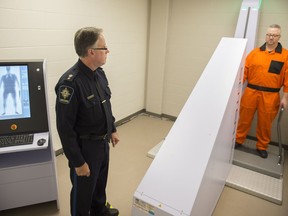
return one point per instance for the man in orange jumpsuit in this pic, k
(266, 71)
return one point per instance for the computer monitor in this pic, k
(22, 97)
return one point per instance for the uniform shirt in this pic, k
(267, 69)
(79, 110)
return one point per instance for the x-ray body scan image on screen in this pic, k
(14, 92)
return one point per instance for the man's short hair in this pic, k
(85, 38)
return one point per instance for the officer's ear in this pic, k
(90, 51)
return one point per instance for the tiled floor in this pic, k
(128, 165)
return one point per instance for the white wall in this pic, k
(36, 29)
(194, 29)
(170, 53)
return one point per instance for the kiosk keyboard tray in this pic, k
(16, 140)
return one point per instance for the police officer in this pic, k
(85, 124)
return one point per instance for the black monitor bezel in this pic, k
(38, 122)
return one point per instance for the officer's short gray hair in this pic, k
(85, 38)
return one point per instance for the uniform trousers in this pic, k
(267, 106)
(88, 194)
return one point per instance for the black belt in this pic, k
(94, 137)
(262, 88)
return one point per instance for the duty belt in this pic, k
(94, 137)
(262, 88)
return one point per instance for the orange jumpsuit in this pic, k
(266, 72)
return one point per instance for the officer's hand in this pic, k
(83, 170)
(114, 139)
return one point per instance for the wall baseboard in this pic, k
(59, 152)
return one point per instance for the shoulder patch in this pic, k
(65, 94)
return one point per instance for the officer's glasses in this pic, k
(99, 48)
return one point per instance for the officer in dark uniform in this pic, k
(85, 124)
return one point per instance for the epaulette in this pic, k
(71, 76)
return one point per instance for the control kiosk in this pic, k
(27, 160)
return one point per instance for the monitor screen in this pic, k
(14, 89)
(23, 107)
